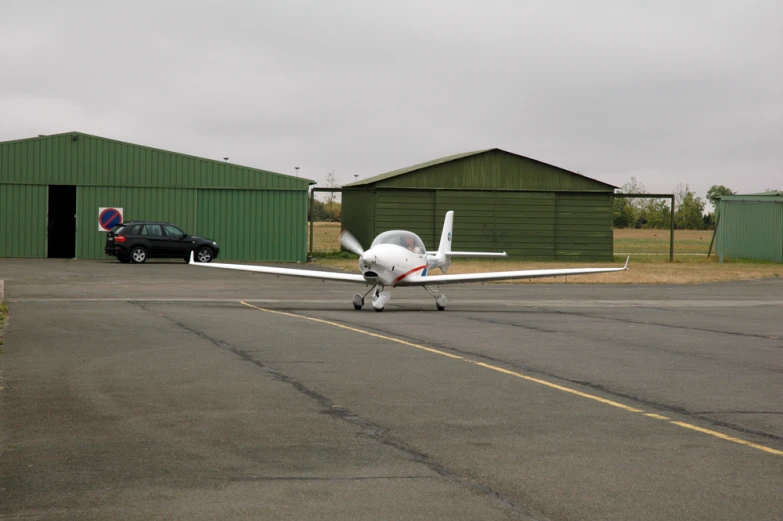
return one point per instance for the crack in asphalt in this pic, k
(670, 326)
(367, 427)
(328, 478)
(598, 387)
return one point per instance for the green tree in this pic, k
(690, 208)
(626, 210)
(333, 207)
(716, 192)
(319, 212)
(656, 213)
(709, 221)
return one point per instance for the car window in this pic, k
(117, 229)
(151, 230)
(173, 231)
(135, 230)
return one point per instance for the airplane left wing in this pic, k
(287, 272)
(507, 275)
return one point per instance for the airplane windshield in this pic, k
(402, 238)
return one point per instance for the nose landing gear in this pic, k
(379, 298)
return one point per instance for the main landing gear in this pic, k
(381, 295)
(440, 299)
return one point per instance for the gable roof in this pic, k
(74, 134)
(447, 159)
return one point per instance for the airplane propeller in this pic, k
(349, 242)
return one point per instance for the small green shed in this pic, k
(501, 201)
(750, 227)
(52, 187)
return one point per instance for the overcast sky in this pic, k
(667, 91)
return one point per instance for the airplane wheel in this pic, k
(440, 302)
(358, 301)
(378, 309)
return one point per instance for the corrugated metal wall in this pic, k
(750, 229)
(23, 225)
(359, 214)
(255, 225)
(177, 206)
(92, 160)
(412, 210)
(583, 226)
(531, 225)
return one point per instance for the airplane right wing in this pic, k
(508, 275)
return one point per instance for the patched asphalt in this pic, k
(154, 392)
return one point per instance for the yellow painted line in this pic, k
(526, 377)
(336, 324)
(559, 387)
(729, 438)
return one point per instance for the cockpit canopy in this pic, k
(402, 238)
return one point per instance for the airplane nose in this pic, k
(369, 258)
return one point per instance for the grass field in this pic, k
(657, 241)
(326, 239)
(690, 262)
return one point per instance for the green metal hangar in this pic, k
(54, 188)
(750, 227)
(501, 201)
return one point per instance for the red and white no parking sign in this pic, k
(108, 218)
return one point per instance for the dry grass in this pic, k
(325, 237)
(657, 241)
(644, 269)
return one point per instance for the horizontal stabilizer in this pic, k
(474, 254)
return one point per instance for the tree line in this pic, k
(689, 213)
(326, 211)
(330, 209)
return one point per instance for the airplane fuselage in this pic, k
(392, 265)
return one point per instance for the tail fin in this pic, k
(444, 247)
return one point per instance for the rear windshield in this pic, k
(116, 230)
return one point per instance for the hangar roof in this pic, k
(83, 159)
(547, 169)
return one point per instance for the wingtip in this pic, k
(626, 262)
(192, 259)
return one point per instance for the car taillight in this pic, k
(119, 238)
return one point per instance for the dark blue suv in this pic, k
(136, 241)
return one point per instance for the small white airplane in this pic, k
(399, 258)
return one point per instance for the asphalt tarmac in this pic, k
(166, 391)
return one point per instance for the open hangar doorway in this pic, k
(61, 222)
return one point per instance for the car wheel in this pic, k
(138, 255)
(204, 255)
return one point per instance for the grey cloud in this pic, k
(670, 92)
